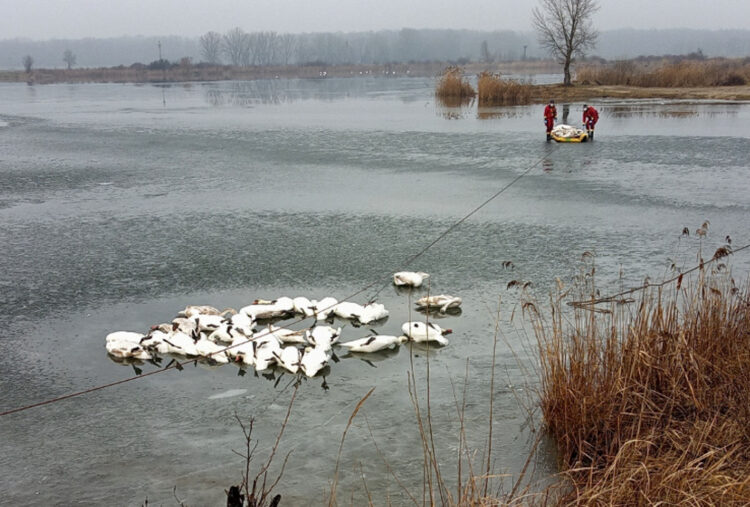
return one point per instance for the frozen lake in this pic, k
(121, 204)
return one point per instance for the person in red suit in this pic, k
(550, 115)
(590, 117)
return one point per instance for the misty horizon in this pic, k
(79, 19)
(386, 46)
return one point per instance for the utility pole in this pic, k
(161, 63)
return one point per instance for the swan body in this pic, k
(181, 343)
(207, 322)
(348, 310)
(210, 350)
(324, 308)
(303, 306)
(226, 333)
(372, 312)
(421, 332)
(243, 323)
(409, 278)
(287, 335)
(266, 349)
(263, 309)
(242, 350)
(289, 358)
(186, 325)
(125, 336)
(154, 341)
(192, 310)
(374, 343)
(442, 301)
(323, 336)
(315, 359)
(126, 344)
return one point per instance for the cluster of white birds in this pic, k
(229, 335)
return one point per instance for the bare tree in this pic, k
(211, 47)
(287, 47)
(69, 58)
(264, 47)
(565, 30)
(236, 45)
(484, 52)
(28, 62)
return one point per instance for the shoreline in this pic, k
(541, 93)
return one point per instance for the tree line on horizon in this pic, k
(238, 47)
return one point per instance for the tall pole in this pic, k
(161, 63)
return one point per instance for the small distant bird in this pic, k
(409, 278)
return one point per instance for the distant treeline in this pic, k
(389, 46)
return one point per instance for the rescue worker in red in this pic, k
(590, 117)
(550, 115)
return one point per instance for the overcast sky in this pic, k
(72, 19)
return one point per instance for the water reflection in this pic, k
(489, 113)
(454, 108)
(675, 110)
(284, 91)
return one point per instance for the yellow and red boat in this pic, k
(568, 134)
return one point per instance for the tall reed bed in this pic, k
(649, 400)
(496, 91)
(453, 88)
(686, 73)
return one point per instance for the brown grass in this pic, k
(452, 87)
(496, 91)
(668, 74)
(649, 402)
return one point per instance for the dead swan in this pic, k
(443, 301)
(421, 332)
(374, 343)
(409, 278)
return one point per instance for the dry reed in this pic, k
(496, 91)
(668, 74)
(453, 88)
(650, 402)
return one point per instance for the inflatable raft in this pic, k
(568, 134)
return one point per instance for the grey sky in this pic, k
(47, 19)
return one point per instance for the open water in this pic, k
(121, 204)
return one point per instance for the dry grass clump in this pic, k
(649, 401)
(496, 91)
(452, 87)
(668, 74)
